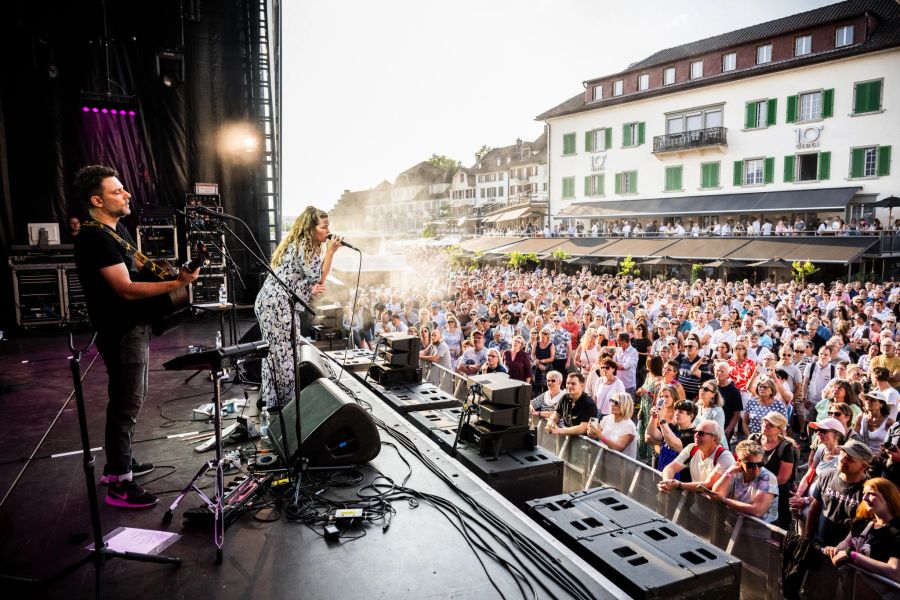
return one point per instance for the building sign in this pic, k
(598, 162)
(808, 137)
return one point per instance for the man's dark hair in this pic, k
(623, 337)
(687, 406)
(89, 182)
(577, 376)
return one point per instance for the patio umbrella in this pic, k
(609, 262)
(772, 263)
(889, 203)
(728, 263)
(584, 260)
(665, 260)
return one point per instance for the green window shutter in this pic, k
(704, 176)
(626, 135)
(608, 132)
(678, 173)
(634, 187)
(670, 176)
(861, 92)
(824, 165)
(874, 96)
(601, 185)
(640, 133)
(857, 162)
(828, 103)
(618, 183)
(738, 172)
(769, 170)
(771, 111)
(884, 161)
(714, 175)
(587, 141)
(750, 116)
(587, 186)
(791, 114)
(788, 169)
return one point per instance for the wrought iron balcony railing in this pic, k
(697, 138)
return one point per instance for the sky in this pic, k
(373, 88)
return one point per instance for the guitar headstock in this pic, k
(200, 257)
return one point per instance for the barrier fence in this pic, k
(590, 464)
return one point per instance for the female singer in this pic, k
(300, 261)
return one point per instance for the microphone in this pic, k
(344, 243)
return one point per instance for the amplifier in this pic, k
(206, 288)
(157, 215)
(76, 305)
(39, 295)
(208, 200)
(158, 241)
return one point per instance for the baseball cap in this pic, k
(858, 450)
(776, 419)
(477, 333)
(829, 423)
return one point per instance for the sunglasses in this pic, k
(706, 389)
(836, 414)
(615, 402)
(753, 465)
(702, 433)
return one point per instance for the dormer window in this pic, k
(843, 36)
(618, 87)
(643, 82)
(598, 92)
(669, 76)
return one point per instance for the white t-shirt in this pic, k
(602, 393)
(701, 468)
(614, 431)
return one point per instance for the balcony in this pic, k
(697, 140)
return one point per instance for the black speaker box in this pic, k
(494, 414)
(335, 430)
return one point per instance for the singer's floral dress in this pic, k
(273, 310)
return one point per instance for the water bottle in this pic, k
(223, 294)
(218, 339)
(264, 423)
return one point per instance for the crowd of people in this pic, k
(777, 399)
(677, 227)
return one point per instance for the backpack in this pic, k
(716, 454)
(757, 437)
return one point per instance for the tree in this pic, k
(560, 255)
(628, 267)
(802, 270)
(696, 270)
(518, 260)
(444, 162)
(429, 232)
(483, 151)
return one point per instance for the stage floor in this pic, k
(46, 523)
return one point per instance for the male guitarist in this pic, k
(108, 273)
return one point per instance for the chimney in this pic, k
(518, 143)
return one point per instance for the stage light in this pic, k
(95, 109)
(104, 110)
(85, 109)
(131, 113)
(239, 143)
(107, 103)
(170, 68)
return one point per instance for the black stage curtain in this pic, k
(55, 50)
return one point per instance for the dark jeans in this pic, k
(127, 357)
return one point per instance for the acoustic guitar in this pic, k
(166, 310)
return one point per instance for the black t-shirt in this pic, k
(580, 412)
(95, 249)
(732, 401)
(884, 543)
(839, 501)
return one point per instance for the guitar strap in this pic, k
(138, 256)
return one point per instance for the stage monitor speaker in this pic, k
(335, 430)
(310, 364)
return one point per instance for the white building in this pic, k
(791, 118)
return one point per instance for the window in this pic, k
(754, 171)
(709, 175)
(669, 76)
(618, 87)
(807, 167)
(843, 36)
(764, 54)
(632, 134)
(568, 144)
(802, 45)
(695, 119)
(870, 162)
(568, 187)
(760, 113)
(501, 174)
(673, 179)
(626, 183)
(593, 185)
(810, 106)
(598, 92)
(697, 69)
(729, 62)
(598, 140)
(867, 97)
(643, 81)
(499, 191)
(462, 177)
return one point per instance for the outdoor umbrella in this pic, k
(609, 262)
(584, 260)
(889, 203)
(665, 260)
(772, 263)
(728, 263)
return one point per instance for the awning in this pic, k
(705, 248)
(816, 200)
(815, 249)
(635, 247)
(583, 246)
(528, 245)
(483, 244)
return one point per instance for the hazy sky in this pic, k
(373, 87)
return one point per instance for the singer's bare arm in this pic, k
(331, 246)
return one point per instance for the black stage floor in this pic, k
(45, 522)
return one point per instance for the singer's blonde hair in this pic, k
(302, 233)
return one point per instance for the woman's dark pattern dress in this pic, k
(273, 310)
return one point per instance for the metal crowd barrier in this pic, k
(589, 464)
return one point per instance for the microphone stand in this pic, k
(294, 299)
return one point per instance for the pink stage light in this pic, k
(131, 113)
(95, 109)
(114, 111)
(85, 109)
(104, 111)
